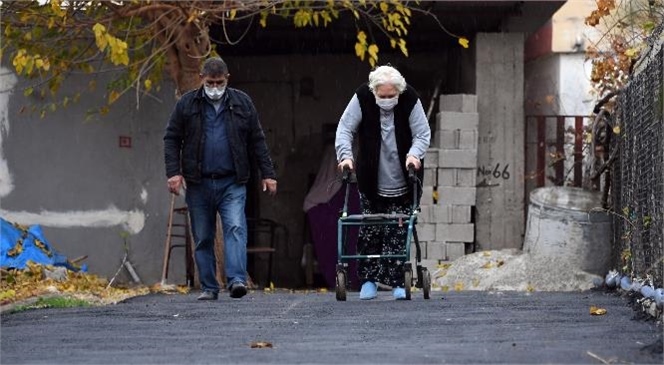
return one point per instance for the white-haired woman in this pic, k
(393, 132)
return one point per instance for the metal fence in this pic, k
(638, 174)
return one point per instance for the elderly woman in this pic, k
(393, 133)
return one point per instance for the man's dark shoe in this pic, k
(207, 295)
(238, 290)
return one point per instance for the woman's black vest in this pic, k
(369, 134)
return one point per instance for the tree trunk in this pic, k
(186, 55)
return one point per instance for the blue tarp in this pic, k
(18, 245)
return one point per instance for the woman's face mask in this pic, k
(387, 104)
(387, 96)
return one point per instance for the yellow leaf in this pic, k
(530, 288)
(55, 6)
(263, 21)
(27, 36)
(616, 129)
(261, 345)
(445, 288)
(7, 294)
(362, 37)
(596, 311)
(316, 18)
(486, 253)
(487, 265)
(463, 41)
(357, 15)
(271, 285)
(458, 286)
(233, 13)
(402, 45)
(373, 51)
(631, 53)
(148, 84)
(372, 62)
(359, 50)
(384, 7)
(113, 96)
(100, 39)
(393, 43)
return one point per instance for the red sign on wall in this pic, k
(124, 142)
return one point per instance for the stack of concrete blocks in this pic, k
(444, 225)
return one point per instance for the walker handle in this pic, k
(411, 173)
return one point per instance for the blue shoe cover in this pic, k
(399, 293)
(369, 290)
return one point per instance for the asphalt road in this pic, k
(454, 327)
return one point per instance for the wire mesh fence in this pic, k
(638, 174)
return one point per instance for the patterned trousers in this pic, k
(383, 240)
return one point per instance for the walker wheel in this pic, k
(426, 283)
(341, 285)
(408, 276)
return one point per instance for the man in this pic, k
(393, 133)
(211, 136)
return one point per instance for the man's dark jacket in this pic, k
(185, 133)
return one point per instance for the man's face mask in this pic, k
(215, 93)
(215, 87)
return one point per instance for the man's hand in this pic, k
(412, 160)
(270, 185)
(346, 163)
(175, 184)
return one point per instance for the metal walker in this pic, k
(397, 219)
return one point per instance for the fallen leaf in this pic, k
(596, 311)
(261, 345)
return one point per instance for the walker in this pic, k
(347, 221)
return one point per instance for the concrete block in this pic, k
(431, 265)
(442, 214)
(464, 103)
(467, 140)
(425, 214)
(457, 158)
(445, 139)
(413, 251)
(431, 158)
(461, 213)
(455, 250)
(456, 195)
(426, 231)
(455, 232)
(436, 250)
(454, 120)
(427, 195)
(466, 177)
(447, 177)
(430, 178)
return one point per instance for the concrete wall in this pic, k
(499, 87)
(71, 176)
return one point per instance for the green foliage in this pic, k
(52, 302)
